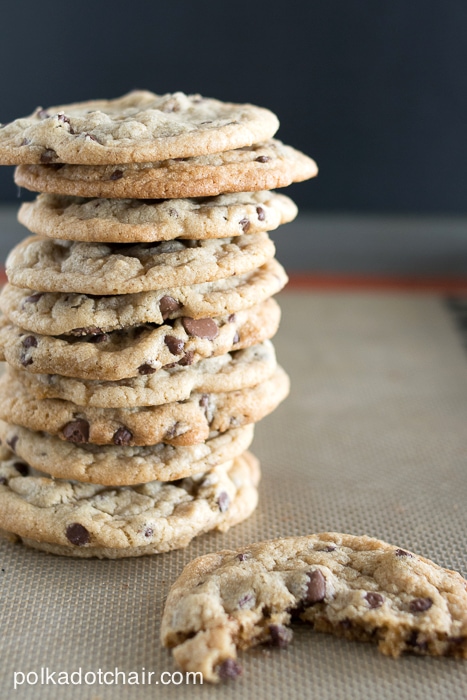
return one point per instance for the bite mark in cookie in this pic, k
(352, 586)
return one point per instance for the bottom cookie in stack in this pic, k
(88, 520)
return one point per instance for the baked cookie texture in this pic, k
(89, 520)
(49, 265)
(137, 350)
(136, 322)
(186, 422)
(56, 313)
(263, 166)
(228, 372)
(121, 465)
(140, 220)
(137, 127)
(352, 586)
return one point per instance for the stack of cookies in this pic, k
(137, 320)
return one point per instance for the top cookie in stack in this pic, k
(137, 322)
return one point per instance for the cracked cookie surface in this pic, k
(262, 166)
(90, 520)
(138, 126)
(352, 586)
(132, 220)
(140, 350)
(187, 422)
(122, 465)
(227, 372)
(49, 265)
(56, 313)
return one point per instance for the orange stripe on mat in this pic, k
(440, 285)
(305, 281)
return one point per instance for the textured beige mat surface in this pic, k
(373, 439)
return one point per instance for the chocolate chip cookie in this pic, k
(90, 520)
(262, 166)
(139, 350)
(119, 465)
(187, 422)
(55, 313)
(137, 127)
(352, 586)
(227, 372)
(49, 265)
(133, 220)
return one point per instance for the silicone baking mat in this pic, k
(373, 439)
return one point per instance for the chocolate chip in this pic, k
(329, 548)
(223, 501)
(262, 159)
(34, 298)
(29, 341)
(48, 156)
(42, 114)
(247, 598)
(245, 224)
(65, 120)
(123, 436)
(148, 532)
(3, 479)
(25, 142)
(168, 305)
(172, 431)
(116, 175)
(22, 468)
(229, 669)
(236, 338)
(25, 361)
(92, 137)
(76, 431)
(231, 318)
(414, 640)
(261, 213)
(204, 402)
(281, 636)
(402, 553)
(201, 327)
(77, 534)
(12, 443)
(375, 600)
(316, 587)
(187, 359)
(146, 369)
(420, 604)
(174, 344)
(242, 557)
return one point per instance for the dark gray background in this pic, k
(375, 91)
